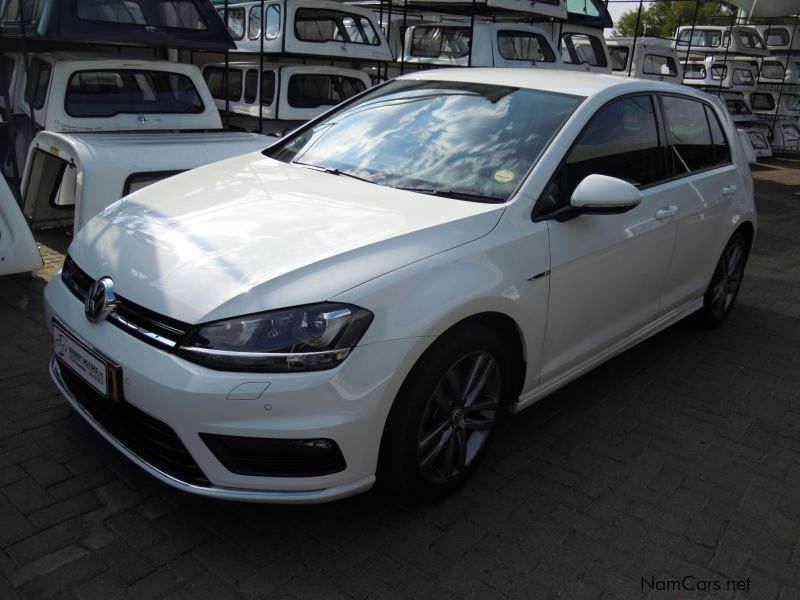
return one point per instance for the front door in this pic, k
(608, 271)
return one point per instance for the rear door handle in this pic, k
(662, 214)
(729, 190)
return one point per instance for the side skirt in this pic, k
(672, 317)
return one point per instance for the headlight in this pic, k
(304, 338)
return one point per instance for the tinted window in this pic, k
(137, 181)
(750, 40)
(694, 71)
(178, 14)
(236, 22)
(254, 23)
(655, 64)
(707, 39)
(250, 86)
(105, 93)
(737, 107)
(791, 134)
(524, 45)
(215, 79)
(722, 153)
(718, 72)
(38, 79)
(273, 28)
(267, 87)
(772, 70)
(777, 37)
(762, 101)
(619, 58)
(742, 77)
(582, 49)
(440, 42)
(323, 25)
(690, 140)
(620, 141)
(447, 138)
(313, 91)
(792, 101)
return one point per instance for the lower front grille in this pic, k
(271, 457)
(147, 437)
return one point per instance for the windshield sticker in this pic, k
(503, 176)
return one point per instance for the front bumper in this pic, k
(348, 404)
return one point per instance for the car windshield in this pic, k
(464, 140)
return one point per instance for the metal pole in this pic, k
(225, 72)
(389, 34)
(783, 81)
(262, 32)
(405, 27)
(471, 33)
(725, 58)
(691, 35)
(635, 37)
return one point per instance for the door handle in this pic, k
(662, 214)
(729, 190)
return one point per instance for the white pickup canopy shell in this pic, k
(767, 8)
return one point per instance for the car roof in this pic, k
(549, 80)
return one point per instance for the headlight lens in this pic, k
(304, 338)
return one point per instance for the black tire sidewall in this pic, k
(398, 467)
(706, 314)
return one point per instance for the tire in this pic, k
(445, 414)
(725, 282)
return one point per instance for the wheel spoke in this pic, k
(433, 435)
(451, 386)
(449, 455)
(481, 406)
(441, 400)
(461, 457)
(478, 424)
(483, 368)
(434, 452)
(720, 292)
(734, 262)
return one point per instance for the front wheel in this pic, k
(725, 283)
(445, 414)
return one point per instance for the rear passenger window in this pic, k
(695, 137)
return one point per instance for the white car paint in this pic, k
(251, 234)
(484, 45)
(18, 249)
(98, 165)
(52, 114)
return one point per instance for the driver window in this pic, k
(620, 141)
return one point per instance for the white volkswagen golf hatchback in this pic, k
(366, 297)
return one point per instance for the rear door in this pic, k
(699, 159)
(18, 249)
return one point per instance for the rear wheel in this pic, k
(725, 283)
(445, 414)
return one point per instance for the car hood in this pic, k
(250, 234)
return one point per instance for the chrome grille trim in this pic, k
(152, 328)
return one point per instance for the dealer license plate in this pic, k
(80, 359)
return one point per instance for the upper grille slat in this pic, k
(157, 330)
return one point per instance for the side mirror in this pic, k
(603, 195)
(599, 195)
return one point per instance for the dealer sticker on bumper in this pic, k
(81, 360)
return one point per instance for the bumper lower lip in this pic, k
(221, 493)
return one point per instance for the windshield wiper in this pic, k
(452, 194)
(331, 171)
